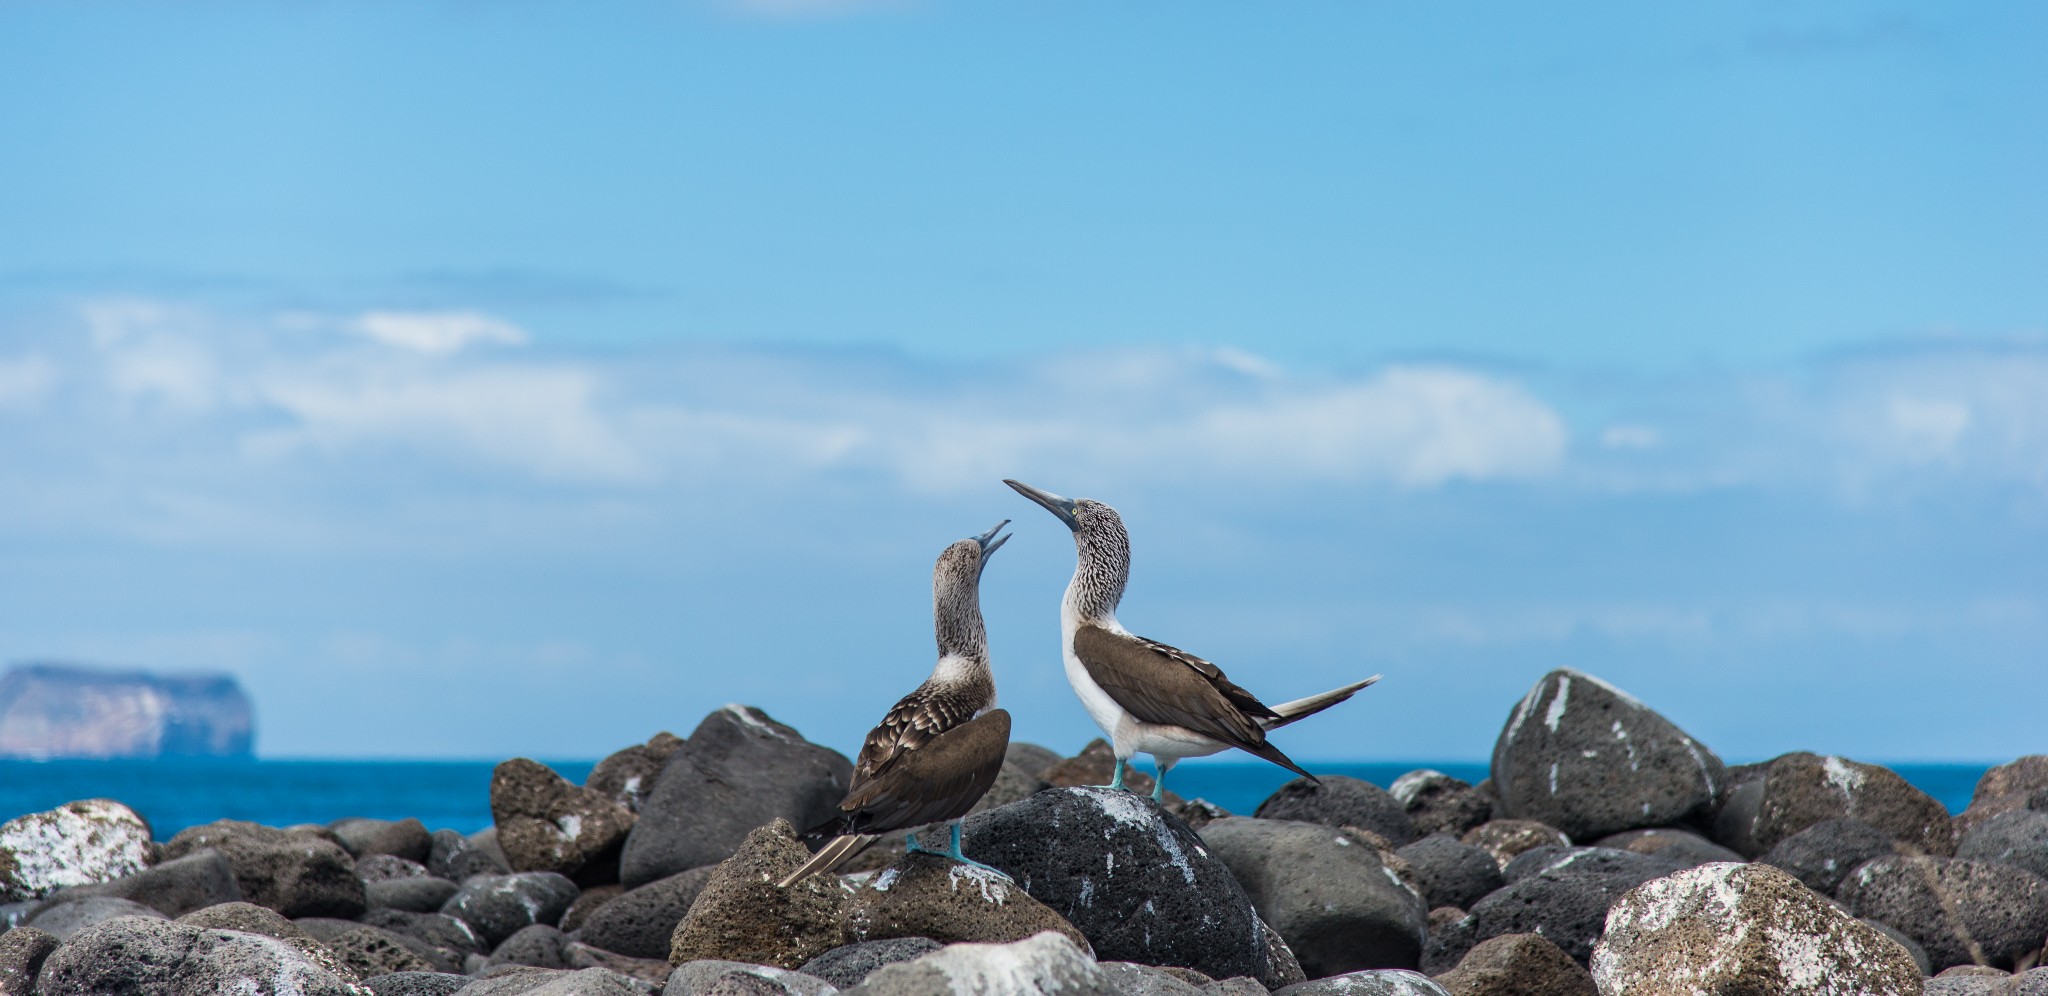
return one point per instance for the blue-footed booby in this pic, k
(940, 748)
(1148, 697)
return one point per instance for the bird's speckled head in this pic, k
(1103, 545)
(956, 593)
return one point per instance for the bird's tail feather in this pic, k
(831, 856)
(1271, 753)
(1288, 712)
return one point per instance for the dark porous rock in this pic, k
(1605, 861)
(2032, 982)
(521, 980)
(175, 887)
(2023, 776)
(1240, 986)
(739, 770)
(78, 843)
(497, 905)
(642, 922)
(1033, 758)
(1800, 790)
(925, 895)
(846, 966)
(1968, 985)
(742, 915)
(64, 917)
(1451, 937)
(1505, 839)
(588, 901)
(1329, 894)
(1567, 898)
(2017, 838)
(1913, 948)
(297, 872)
(732, 978)
(406, 838)
(1589, 759)
(437, 930)
(1047, 963)
(1518, 965)
(416, 984)
(1286, 968)
(1824, 854)
(547, 823)
(425, 894)
(1437, 803)
(628, 775)
(1136, 881)
(1686, 848)
(1450, 873)
(1961, 911)
(535, 944)
(1339, 801)
(454, 858)
(576, 954)
(157, 957)
(369, 951)
(250, 918)
(1132, 979)
(387, 867)
(22, 951)
(1379, 982)
(1743, 928)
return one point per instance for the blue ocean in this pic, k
(175, 794)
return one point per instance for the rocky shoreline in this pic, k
(1609, 853)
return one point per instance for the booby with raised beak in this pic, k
(1148, 697)
(940, 748)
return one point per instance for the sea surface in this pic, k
(175, 794)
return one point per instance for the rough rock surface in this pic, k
(547, 823)
(739, 770)
(1383, 982)
(642, 922)
(2018, 838)
(580, 955)
(423, 894)
(1339, 801)
(388, 867)
(927, 896)
(2023, 775)
(535, 944)
(1824, 854)
(1566, 899)
(363, 837)
(176, 887)
(1339, 907)
(1800, 790)
(1047, 963)
(733, 978)
(1136, 881)
(628, 775)
(519, 980)
(1437, 803)
(368, 951)
(250, 918)
(1518, 965)
(168, 958)
(741, 915)
(1735, 928)
(846, 966)
(78, 843)
(1132, 979)
(589, 901)
(297, 872)
(1451, 936)
(1014, 782)
(65, 917)
(497, 905)
(22, 951)
(1589, 759)
(1450, 873)
(416, 984)
(1960, 911)
(1671, 843)
(436, 930)
(455, 858)
(1506, 839)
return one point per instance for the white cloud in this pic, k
(438, 333)
(25, 381)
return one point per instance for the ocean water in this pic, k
(175, 794)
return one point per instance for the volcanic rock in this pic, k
(1961, 911)
(1437, 803)
(1339, 801)
(1518, 965)
(846, 966)
(641, 923)
(78, 843)
(1450, 873)
(1800, 790)
(628, 775)
(498, 905)
(296, 872)
(167, 958)
(1047, 963)
(927, 896)
(1824, 854)
(1505, 839)
(742, 915)
(173, 888)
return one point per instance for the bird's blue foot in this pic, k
(911, 846)
(1116, 781)
(970, 862)
(1159, 788)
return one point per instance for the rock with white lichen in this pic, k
(547, 823)
(78, 843)
(140, 955)
(1743, 928)
(922, 895)
(1800, 790)
(1589, 759)
(1379, 982)
(1046, 963)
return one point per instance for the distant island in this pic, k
(58, 710)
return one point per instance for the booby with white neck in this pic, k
(1151, 698)
(940, 748)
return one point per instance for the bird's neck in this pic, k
(1102, 567)
(956, 621)
(970, 676)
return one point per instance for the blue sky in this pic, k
(478, 379)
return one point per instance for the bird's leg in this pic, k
(970, 862)
(1159, 781)
(911, 846)
(1117, 781)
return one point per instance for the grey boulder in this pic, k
(640, 923)
(416, 984)
(1960, 911)
(22, 952)
(1047, 963)
(1518, 965)
(1450, 873)
(78, 843)
(1339, 801)
(1684, 847)
(1326, 892)
(739, 770)
(364, 837)
(2018, 838)
(297, 872)
(1380, 982)
(498, 905)
(846, 966)
(1824, 854)
(423, 894)
(1589, 759)
(456, 858)
(1800, 790)
(735, 978)
(63, 917)
(547, 823)
(628, 775)
(1566, 898)
(1437, 803)
(175, 887)
(166, 958)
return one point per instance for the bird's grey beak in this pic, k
(990, 542)
(1058, 506)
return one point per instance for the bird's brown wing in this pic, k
(939, 779)
(1157, 683)
(911, 723)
